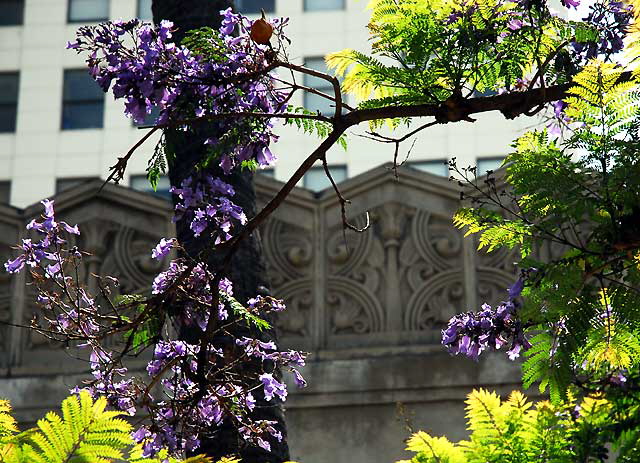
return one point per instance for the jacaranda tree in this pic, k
(575, 317)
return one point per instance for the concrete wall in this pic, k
(369, 310)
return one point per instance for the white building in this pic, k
(57, 128)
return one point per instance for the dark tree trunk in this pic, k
(247, 267)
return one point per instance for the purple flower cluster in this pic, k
(612, 19)
(197, 290)
(189, 406)
(570, 3)
(190, 389)
(157, 73)
(559, 119)
(204, 203)
(273, 387)
(163, 248)
(265, 304)
(283, 359)
(47, 248)
(471, 333)
(122, 394)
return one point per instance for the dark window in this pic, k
(254, 6)
(437, 167)
(312, 101)
(141, 183)
(144, 10)
(149, 119)
(88, 10)
(323, 5)
(67, 183)
(11, 12)
(316, 179)
(9, 82)
(485, 164)
(5, 192)
(82, 101)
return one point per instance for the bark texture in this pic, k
(247, 270)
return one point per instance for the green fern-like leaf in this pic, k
(86, 433)
(240, 311)
(8, 425)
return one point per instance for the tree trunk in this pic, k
(247, 268)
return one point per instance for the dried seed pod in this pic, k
(261, 31)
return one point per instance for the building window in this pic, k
(149, 119)
(9, 82)
(88, 10)
(141, 183)
(82, 101)
(68, 183)
(312, 101)
(436, 167)
(254, 6)
(11, 12)
(144, 10)
(316, 179)
(5, 192)
(323, 5)
(485, 164)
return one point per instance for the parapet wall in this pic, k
(369, 307)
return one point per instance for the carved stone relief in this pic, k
(435, 302)
(355, 262)
(288, 251)
(432, 267)
(402, 279)
(130, 260)
(353, 308)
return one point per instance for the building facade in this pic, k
(369, 310)
(57, 129)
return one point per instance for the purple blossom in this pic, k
(472, 333)
(570, 3)
(163, 248)
(272, 387)
(514, 24)
(618, 379)
(300, 381)
(611, 20)
(516, 289)
(15, 265)
(157, 73)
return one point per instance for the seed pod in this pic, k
(261, 32)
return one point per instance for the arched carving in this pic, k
(433, 304)
(352, 308)
(296, 320)
(347, 251)
(132, 259)
(288, 251)
(492, 285)
(436, 240)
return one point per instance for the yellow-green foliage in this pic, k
(7, 423)
(598, 100)
(85, 433)
(513, 431)
(423, 51)
(551, 196)
(495, 231)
